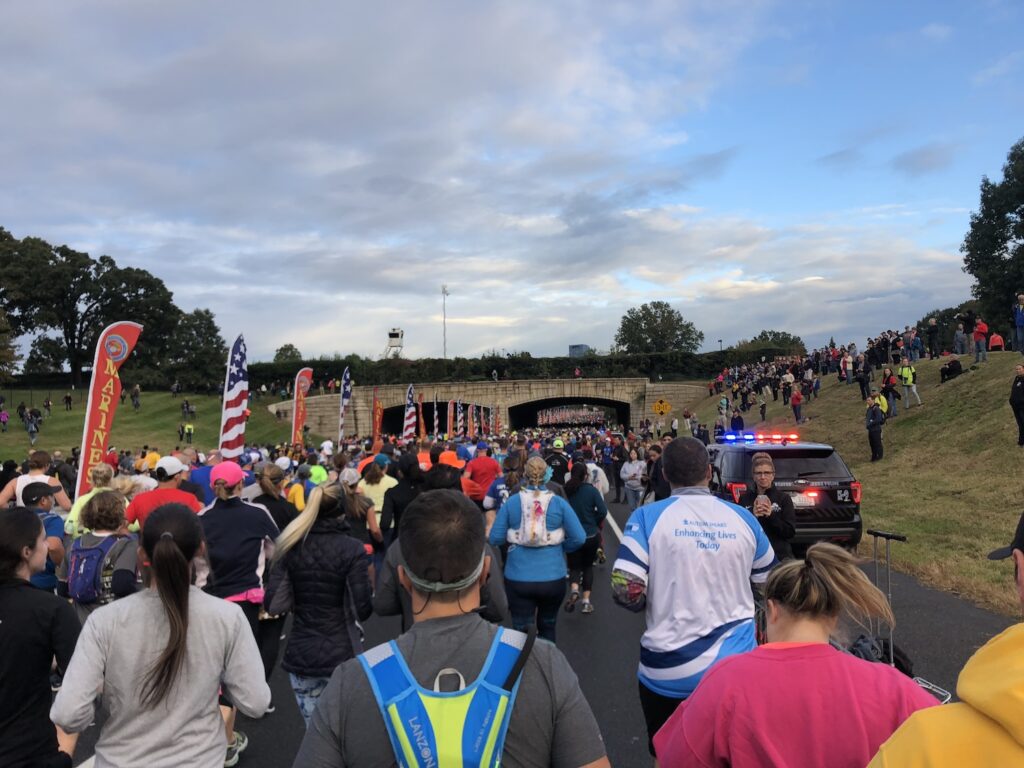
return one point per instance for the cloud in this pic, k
(314, 178)
(1003, 66)
(847, 157)
(936, 33)
(928, 158)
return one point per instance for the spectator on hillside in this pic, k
(1017, 401)
(950, 369)
(960, 340)
(873, 421)
(736, 424)
(889, 391)
(907, 374)
(980, 341)
(984, 727)
(1018, 324)
(932, 333)
(796, 401)
(996, 343)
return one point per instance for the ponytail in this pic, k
(536, 469)
(224, 491)
(270, 480)
(298, 528)
(826, 584)
(577, 477)
(171, 537)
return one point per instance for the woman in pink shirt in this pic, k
(797, 701)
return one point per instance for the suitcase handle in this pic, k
(886, 535)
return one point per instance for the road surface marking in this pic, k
(615, 526)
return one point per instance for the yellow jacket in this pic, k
(985, 729)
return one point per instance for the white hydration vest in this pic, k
(533, 526)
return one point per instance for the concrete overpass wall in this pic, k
(638, 394)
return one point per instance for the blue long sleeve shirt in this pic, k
(537, 563)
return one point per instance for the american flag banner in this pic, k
(236, 400)
(460, 424)
(435, 414)
(346, 396)
(409, 428)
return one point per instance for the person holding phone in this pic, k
(772, 508)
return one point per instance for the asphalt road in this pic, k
(939, 631)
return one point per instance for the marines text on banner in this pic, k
(114, 345)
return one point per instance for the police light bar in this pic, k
(758, 437)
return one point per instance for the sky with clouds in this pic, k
(314, 172)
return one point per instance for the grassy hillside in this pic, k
(951, 478)
(156, 423)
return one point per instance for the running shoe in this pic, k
(600, 556)
(236, 749)
(56, 681)
(588, 607)
(570, 604)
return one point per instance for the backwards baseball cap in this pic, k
(284, 463)
(33, 493)
(482, 446)
(170, 465)
(451, 458)
(997, 554)
(558, 443)
(227, 471)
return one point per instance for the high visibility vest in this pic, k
(430, 729)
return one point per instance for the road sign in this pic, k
(661, 407)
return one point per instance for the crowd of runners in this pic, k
(161, 597)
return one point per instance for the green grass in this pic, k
(951, 478)
(156, 423)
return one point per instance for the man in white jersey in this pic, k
(689, 560)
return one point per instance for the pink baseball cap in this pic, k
(227, 471)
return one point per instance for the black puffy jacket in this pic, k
(331, 590)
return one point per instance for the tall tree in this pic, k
(45, 287)
(196, 352)
(790, 344)
(9, 356)
(288, 353)
(655, 328)
(994, 246)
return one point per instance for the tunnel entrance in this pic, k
(568, 412)
(394, 418)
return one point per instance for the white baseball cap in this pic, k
(170, 465)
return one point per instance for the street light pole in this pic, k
(719, 345)
(444, 318)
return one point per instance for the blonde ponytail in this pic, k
(326, 497)
(536, 469)
(826, 584)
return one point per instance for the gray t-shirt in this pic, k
(121, 642)
(551, 722)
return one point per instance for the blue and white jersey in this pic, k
(697, 554)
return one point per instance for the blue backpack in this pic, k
(86, 566)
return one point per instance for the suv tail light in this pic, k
(737, 490)
(855, 491)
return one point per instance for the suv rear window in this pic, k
(795, 463)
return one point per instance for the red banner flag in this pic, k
(451, 418)
(114, 345)
(423, 424)
(497, 421)
(471, 430)
(378, 419)
(303, 382)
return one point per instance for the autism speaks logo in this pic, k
(116, 348)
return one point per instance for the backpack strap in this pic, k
(524, 655)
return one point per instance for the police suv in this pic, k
(826, 496)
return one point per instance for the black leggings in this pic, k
(581, 563)
(267, 634)
(535, 601)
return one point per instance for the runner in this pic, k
(35, 627)
(160, 657)
(698, 554)
(103, 562)
(549, 722)
(736, 705)
(239, 543)
(38, 465)
(320, 575)
(539, 528)
(589, 506)
(169, 474)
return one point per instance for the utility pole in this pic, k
(719, 345)
(444, 318)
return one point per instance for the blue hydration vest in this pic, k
(430, 729)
